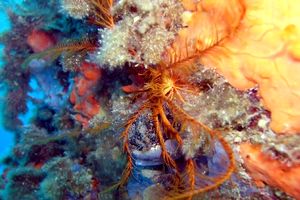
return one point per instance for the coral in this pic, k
(153, 47)
(114, 42)
(142, 70)
(107, 155)
(36, 15)
(71, 63)
(15, 104)
(39, 154)
(221, 104)
(77, 9)
(265, 169)
(23, 184)
(142, 34)
(41, 15)
(65, 179)
(249, 44)
(239, 115)
(35, 148)
(15, 77)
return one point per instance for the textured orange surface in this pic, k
(83, 94)
(251, 43)
(40, 40)
(264, 169)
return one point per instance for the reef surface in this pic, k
(151, 99)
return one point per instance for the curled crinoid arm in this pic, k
(198, 179)
(190, 171)
(173, 133)
(125, 135)
(159, 134)
(194, 182)
(129, 166)
(102, 13)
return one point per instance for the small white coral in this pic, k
(114, 47)
(77, 9)
(154, 43)
(145, 29)
(145, 5)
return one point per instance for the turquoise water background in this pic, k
(6, 137)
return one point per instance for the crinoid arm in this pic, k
(168, 126)
(125, 136)
(102, 13)
(159, 134)
(194, 182)
(81, 46)
(164, 90)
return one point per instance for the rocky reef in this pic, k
(151, 99)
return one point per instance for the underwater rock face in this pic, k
(142, 34)
(152, 99)
(23, 183)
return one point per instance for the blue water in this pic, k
(26, 117)
(7, 137)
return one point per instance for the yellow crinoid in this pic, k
(102, 13)
(164, 93)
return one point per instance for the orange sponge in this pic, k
(40, 40)
(264, 169)
(83, 95)
(251, 42)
